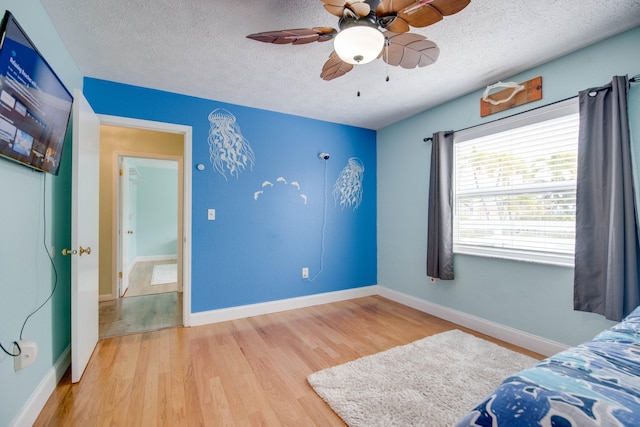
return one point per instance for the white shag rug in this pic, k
(164, 273)
(430, 382)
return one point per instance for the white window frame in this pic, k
(559, 109)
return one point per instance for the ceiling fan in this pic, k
(371, 29)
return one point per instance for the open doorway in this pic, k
(149, 226)
(142, 206)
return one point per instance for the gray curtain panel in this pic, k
(440, 222)
(606, 252)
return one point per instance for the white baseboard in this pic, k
(513, 336)
(224, 314)
(155, 258)
(32, 407)
(106, 297)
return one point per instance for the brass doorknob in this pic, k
(66, 252)
(85, 251)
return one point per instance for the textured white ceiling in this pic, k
(199, 48)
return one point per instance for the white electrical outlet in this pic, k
(28, 354)
(211, 214)
(305, 273)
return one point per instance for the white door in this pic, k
(84, 234)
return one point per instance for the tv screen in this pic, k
(34, 104)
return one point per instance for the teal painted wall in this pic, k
(530, 297)
(26, 276)
(157, 211)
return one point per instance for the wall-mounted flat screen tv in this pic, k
(34, 104)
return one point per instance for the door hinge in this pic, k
(120, 275)
(121, 172)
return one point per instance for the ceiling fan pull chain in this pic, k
(358, 78)
(386, 55)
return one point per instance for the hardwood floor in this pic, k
(143, 313)
(140, 280)
(144, 308)
(244, 372)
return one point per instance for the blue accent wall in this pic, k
(534, 298)
(275, 216)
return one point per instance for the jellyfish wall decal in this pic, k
(229, 150)
(347, 190)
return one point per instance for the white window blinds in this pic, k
(515, 189)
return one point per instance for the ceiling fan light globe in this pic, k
(358, 44)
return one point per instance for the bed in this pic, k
(596, 383)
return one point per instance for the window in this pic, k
(515, 186)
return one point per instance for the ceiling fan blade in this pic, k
(295, 36)
(334, 10)
(394, 24)
(387, 7)
(337, 7)
(335, 67)
(420, 15)
(361, 8)
(409, 50)
(449, 7)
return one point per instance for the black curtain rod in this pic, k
(634, 79)
(495, 120)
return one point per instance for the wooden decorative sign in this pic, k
(526, 92)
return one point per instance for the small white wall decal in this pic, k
(347, 190)
(266, 184)
(229, 150)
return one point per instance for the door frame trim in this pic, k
(187, 132)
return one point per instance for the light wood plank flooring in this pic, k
(245, 372)
(143, 313)
(140, 280)
(144, 307)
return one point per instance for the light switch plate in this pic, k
(211, 214)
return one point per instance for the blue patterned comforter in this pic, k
(594, 384)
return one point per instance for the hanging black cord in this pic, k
(44, 244)
(11, 354)
(55, 271)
